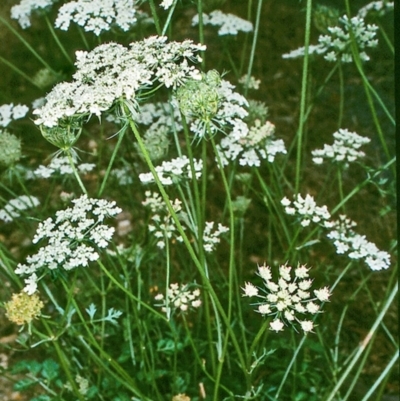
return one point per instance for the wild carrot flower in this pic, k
(306, 209)
(13, 208)
(61, 166)
(166, 4)
(10, 148)
(70, 238)
(336, 45)
(250, 148)
(252, 84)
(9, 112)
(22, 11)
(179, 297)
(23, 308)
(212, 238)
(112, 73)
(229, 24)
(344, 149)
(162, 225)
(379, 8)
(356, 246)
(172, 171)
(97, 15)
(289, 298)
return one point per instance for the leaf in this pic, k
(113, 314)
(91, 310)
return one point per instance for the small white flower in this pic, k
(276, 325)
(307, 326)
(250, 290)
(323, 294)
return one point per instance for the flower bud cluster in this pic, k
(23, 308)
(10, 148)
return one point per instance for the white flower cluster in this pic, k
(13, 207)
(172, 171)
(69, 238)
(229, 24)
(166, 4)
(162, 225)
(288, 298)
(60, 165)
(212, 238)
(179, 297)
(337, 45)
(307, 210)
(252, 84)
(22, 11)
(123, 175)
(113, 73)
(9, 112)
(97, 15)
(346, 240)
(252, 146)
(378, 7)
(344, 149)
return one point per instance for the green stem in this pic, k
(121, 134)
(18, 71)
(364, 343)
(30, 48)
(289, 367)
(155, 17)
(299, 134)
(59, 44)
(76, 174)
(253, 46)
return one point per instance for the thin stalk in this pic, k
(360, 186)
(155, 17)
(289, 367)
(201, 30)
(381, 377)
(169, 17)
(302, 120)
(18, 71)
(29, 47)
(188, 245)
(386, 38)
(55, 37)
(121, 134)
(341, 101)
(369, 89)
(253, 46)
(365, 342)
(76, 174)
